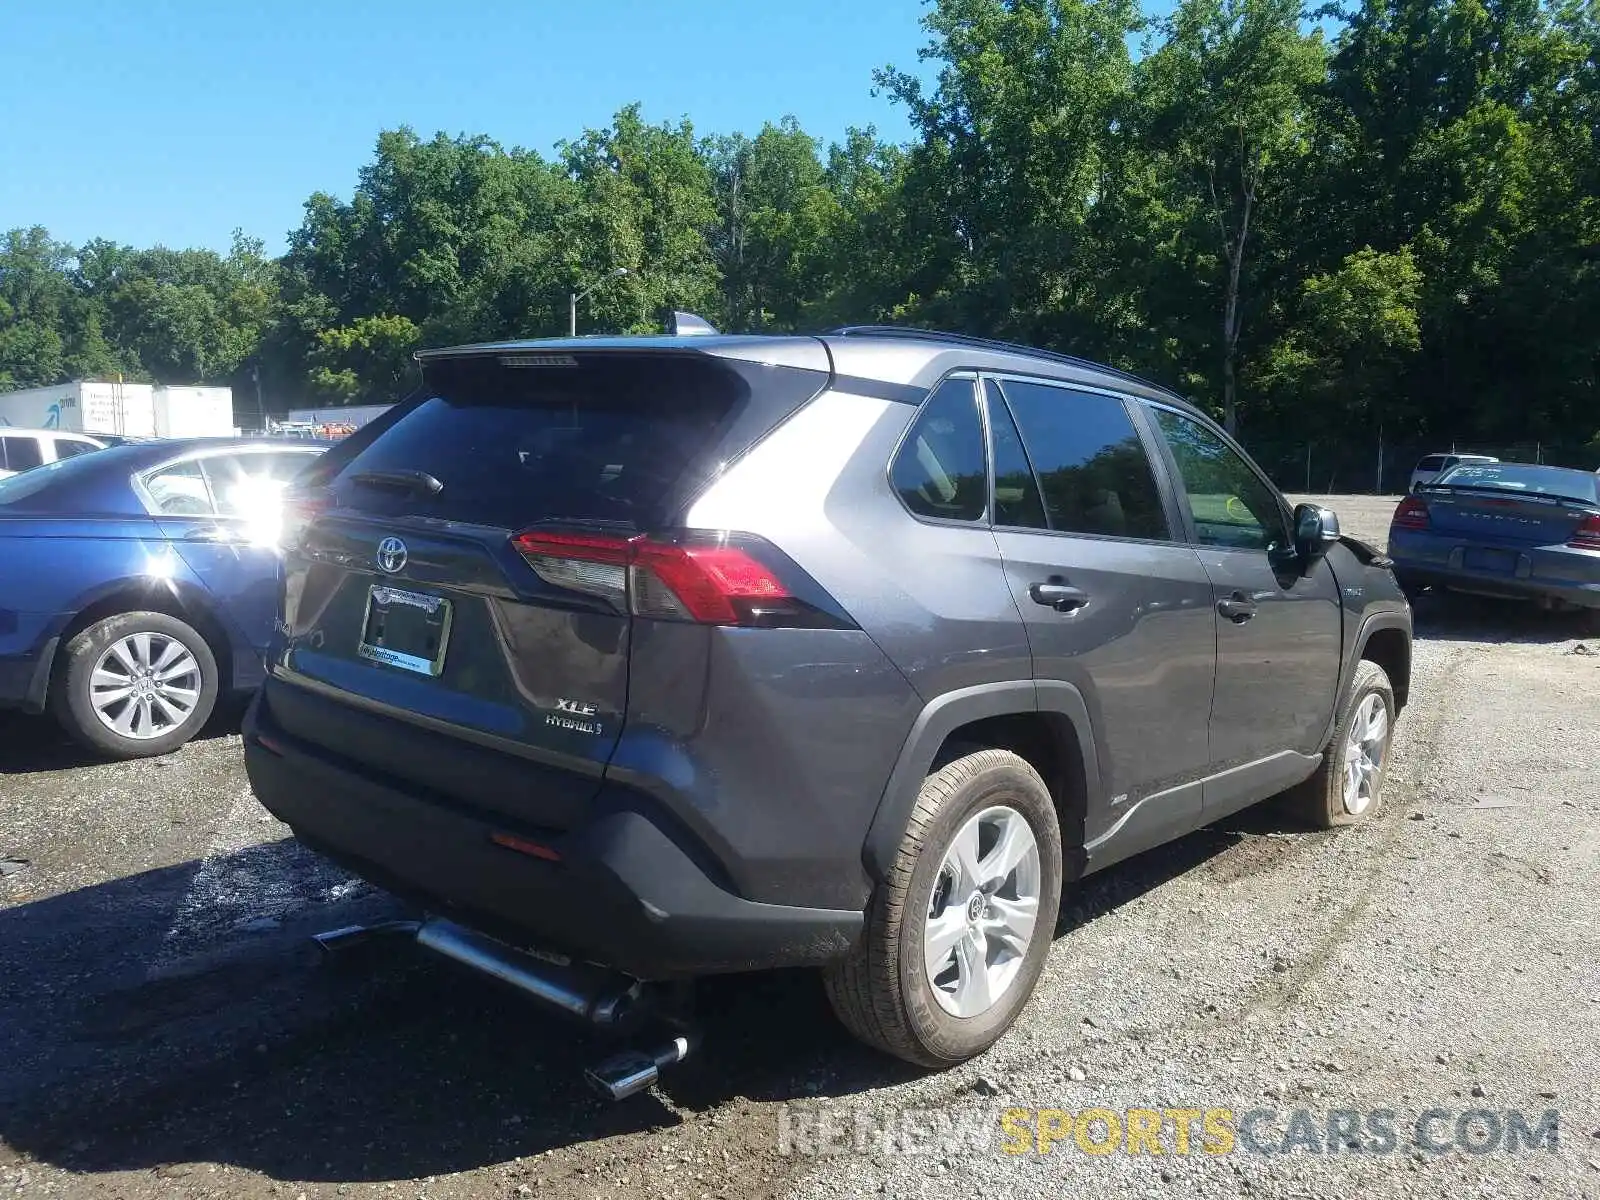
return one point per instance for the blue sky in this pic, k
(174, 121)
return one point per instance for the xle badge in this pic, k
(571, 714)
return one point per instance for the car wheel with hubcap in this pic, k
(957, 934)
(136, 685)
(1348, 787)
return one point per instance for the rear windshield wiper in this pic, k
(404, 481)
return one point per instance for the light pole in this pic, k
(572, 312)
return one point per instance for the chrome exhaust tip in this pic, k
(634, 1071)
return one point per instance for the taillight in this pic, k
(709, 579)
(1412, 514)
(1587, 535)
(714, 585)
(596, 565)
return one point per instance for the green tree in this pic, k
(775, 213)
(35, 303)
(176, 316)
(1222, 108)
(647, 205)
(1011, 148)
(1353, 334)
(1467, 130)
(366, 362)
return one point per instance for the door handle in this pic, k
(1062, 597)
(214, 534)
(1238, 608)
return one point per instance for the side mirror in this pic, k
(1316, 529)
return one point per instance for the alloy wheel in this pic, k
(1363, 753)
(145, 685)
(983, 911)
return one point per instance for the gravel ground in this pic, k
(166, 1030)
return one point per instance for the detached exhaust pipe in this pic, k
(591, 994)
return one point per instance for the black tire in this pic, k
(70, 694)
(881, 992)
(1319, 801)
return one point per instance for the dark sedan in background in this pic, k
(139, 583)
(1511, 530)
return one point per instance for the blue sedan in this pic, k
(1512, 530)
(139, 583)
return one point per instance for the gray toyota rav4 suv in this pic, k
(643, 659)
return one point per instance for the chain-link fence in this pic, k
(1374, 466)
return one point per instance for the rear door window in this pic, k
(179, 490)
(1093, 470)
(1017, 503)
(610, 439)
(20, 453)
(1433, 462)
(940, 470)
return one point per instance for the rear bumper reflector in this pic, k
(523, 845)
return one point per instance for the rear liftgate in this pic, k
(605, 1000)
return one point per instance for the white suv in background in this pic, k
(24, 449)
(1432, 466)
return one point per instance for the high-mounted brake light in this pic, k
(1587, 535)
(1412, 514)
(719, 580)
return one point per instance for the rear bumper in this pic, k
(1531, 572)
(1581, 595)
(625, 893)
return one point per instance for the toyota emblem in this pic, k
(391, 555)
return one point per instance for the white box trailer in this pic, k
(125, 409)
(183, 412)
(120, 408)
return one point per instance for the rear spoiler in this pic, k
(1508, 493)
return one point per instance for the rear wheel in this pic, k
(1348, 787)
(136, 685)
(958, 932)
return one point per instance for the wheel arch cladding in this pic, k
(1390, 648)
(1048, 726)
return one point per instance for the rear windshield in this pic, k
(1524, 478)
(615, 439)
(1434, 462)
(42, 481)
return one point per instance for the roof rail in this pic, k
(966, 339)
